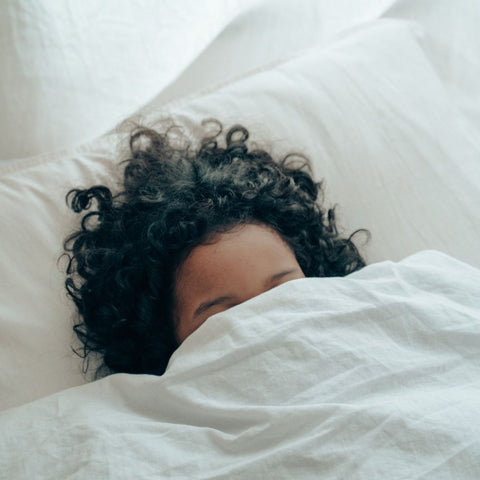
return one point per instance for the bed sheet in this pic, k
(366, 377)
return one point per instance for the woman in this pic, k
(191, 234)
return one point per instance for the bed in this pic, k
(375, 375)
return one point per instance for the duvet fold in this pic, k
(374, 375)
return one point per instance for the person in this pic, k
(191, 233)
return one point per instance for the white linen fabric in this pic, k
(370, 112)
(272, 30)
(370, 376)
(70, 70)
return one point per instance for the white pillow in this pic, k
(66, 63)
(368, 110)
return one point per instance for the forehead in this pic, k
(247, 247)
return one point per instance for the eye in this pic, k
(286, 278)
(212, 311)
(223, 307)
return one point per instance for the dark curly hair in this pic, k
(123, 260)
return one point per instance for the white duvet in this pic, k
(375, 375)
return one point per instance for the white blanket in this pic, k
(376, 375)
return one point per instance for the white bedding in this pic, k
(371, 112)
(372, 376)
(73, 69)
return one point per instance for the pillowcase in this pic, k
(368, 110)
(65, 64)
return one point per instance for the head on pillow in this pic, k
(191, 233)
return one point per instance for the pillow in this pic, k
(368, 110)
(66, 63)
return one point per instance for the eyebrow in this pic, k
(203, 307)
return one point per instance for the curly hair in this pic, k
(121, 271)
